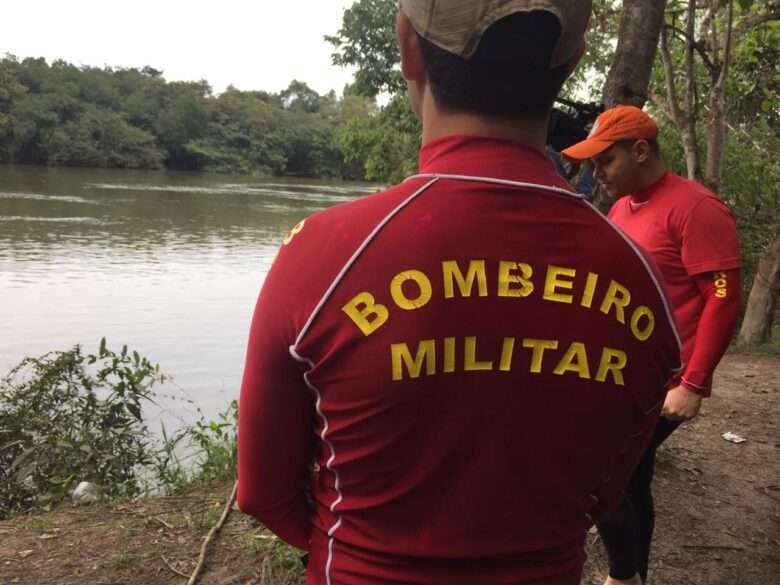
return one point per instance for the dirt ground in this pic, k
(718, 514)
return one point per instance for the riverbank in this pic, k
(718, 506)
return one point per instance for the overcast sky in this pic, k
(252, 44)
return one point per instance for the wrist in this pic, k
(701, 387)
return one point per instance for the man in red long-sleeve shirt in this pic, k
(448, 382)
(692, 237)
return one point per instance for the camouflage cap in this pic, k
(458, 25)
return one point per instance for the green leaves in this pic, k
(367, 41)
(66, 415)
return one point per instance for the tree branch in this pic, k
(671, 89)
(752, 21)
(660, 102)
(698, 45)
(690, 74)
(216, 528)
(727, 50)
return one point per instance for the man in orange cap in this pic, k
(692, 237)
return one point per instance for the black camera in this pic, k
(571, 122)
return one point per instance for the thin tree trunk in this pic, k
(683, 119)
(757, 324)
(690, 141)
(629, 75)
(716, 135)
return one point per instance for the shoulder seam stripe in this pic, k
(340, 276)
(507, 182)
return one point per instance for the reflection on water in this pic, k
(168, 263)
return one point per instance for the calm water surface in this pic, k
(169, 263)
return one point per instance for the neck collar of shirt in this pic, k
(640, 198)
(487, 156)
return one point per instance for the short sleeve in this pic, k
(709, 238)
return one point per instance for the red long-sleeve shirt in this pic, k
(462, 371)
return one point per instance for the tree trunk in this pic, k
(684, 119)
(716, 135)
(629, 75)
(757, 324)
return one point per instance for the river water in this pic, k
(169, 263)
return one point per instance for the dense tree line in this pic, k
(60, 114)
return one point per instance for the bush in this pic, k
(212, 444)
(67, 417)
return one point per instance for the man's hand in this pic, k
(681, 404)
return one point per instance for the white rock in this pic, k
(85, 493)
(733, 437)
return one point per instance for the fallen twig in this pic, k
(163, 522)
(216, 528)
(174, 569)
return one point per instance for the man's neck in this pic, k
(649, 177)
(438, 123)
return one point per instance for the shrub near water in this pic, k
(212, 444)
(67, 417)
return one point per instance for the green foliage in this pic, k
(216, 444)
(60, 114)
(67, 417)
(756, 74)
(385, 146)
(367, 41)
(242, 135)
(101, 139)
(203, 451)
(751, 181)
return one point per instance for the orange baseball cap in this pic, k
(618, 123)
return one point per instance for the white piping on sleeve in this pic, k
(689, 383)
(328, 464)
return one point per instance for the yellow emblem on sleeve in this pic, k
(297, 228)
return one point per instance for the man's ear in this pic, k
(412, 66)
(641, 150)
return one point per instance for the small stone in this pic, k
(85, 493)
(732, 437)
(25, 553)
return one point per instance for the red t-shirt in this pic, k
(687, 231)
(474, 365)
